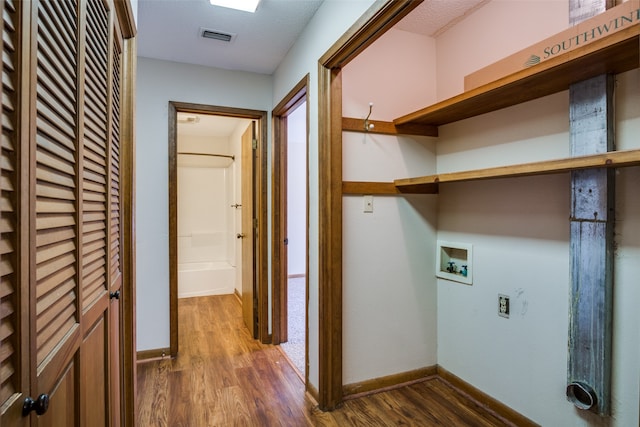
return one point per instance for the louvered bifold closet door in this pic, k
(13, 338)
(94, 355)
(54, 259)
(95, 155)
(115, 192)
(60, 235)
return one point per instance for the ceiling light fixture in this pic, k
(188, 118)
(245, 5)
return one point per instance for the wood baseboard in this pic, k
(293, 365)
(484, 399)
(154, 353)
(312, 393)
(352, 391)
(390, 382)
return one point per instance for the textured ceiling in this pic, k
(433, 17)
(209, 125)
(169, 29)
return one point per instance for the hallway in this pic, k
(222, 377)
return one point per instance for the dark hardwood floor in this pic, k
(222, 377)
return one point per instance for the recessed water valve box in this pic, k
(454, 262)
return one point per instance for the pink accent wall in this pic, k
(496, 30)
(397, 73)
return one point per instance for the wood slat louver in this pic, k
(9, 285)
(115, 207)
(56, 177)
(95, 154)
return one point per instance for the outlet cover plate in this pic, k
(503, 305)
(368, 203)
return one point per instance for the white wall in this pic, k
(159, 82)
(520, 231)
(205, 184)
(389, 287)
(204, 224)
(297, 191)
(330, 22)
(134, 10)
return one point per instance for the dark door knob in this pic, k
(115, 295)
(40, 405)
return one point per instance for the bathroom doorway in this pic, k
(208, 230)
(209, 204)
(290, 227)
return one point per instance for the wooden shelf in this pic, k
(616, 53)
(430, 184)
(385, 188)
(350, 124)
(614, 159)
(613, 53)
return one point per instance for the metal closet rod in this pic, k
(211, 155)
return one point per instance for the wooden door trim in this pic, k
(382, 16)
(128, 162)
(261, 261)
(278, 229)
(279, 277)
(126, 20)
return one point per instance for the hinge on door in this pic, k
(255, 223)
(254, 144)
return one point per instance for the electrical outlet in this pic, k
(503, 305)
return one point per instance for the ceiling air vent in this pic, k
(217, 35)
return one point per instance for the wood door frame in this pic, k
(260, 206)
(279, 202)
(128, 370)
(128, 297)
(380, 17)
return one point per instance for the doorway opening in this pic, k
(209, 204)
(216, 209)
(296, 241)
(373, 24)
(290, 225)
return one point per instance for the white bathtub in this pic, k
(196, 279)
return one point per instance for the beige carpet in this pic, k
(295, 346)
